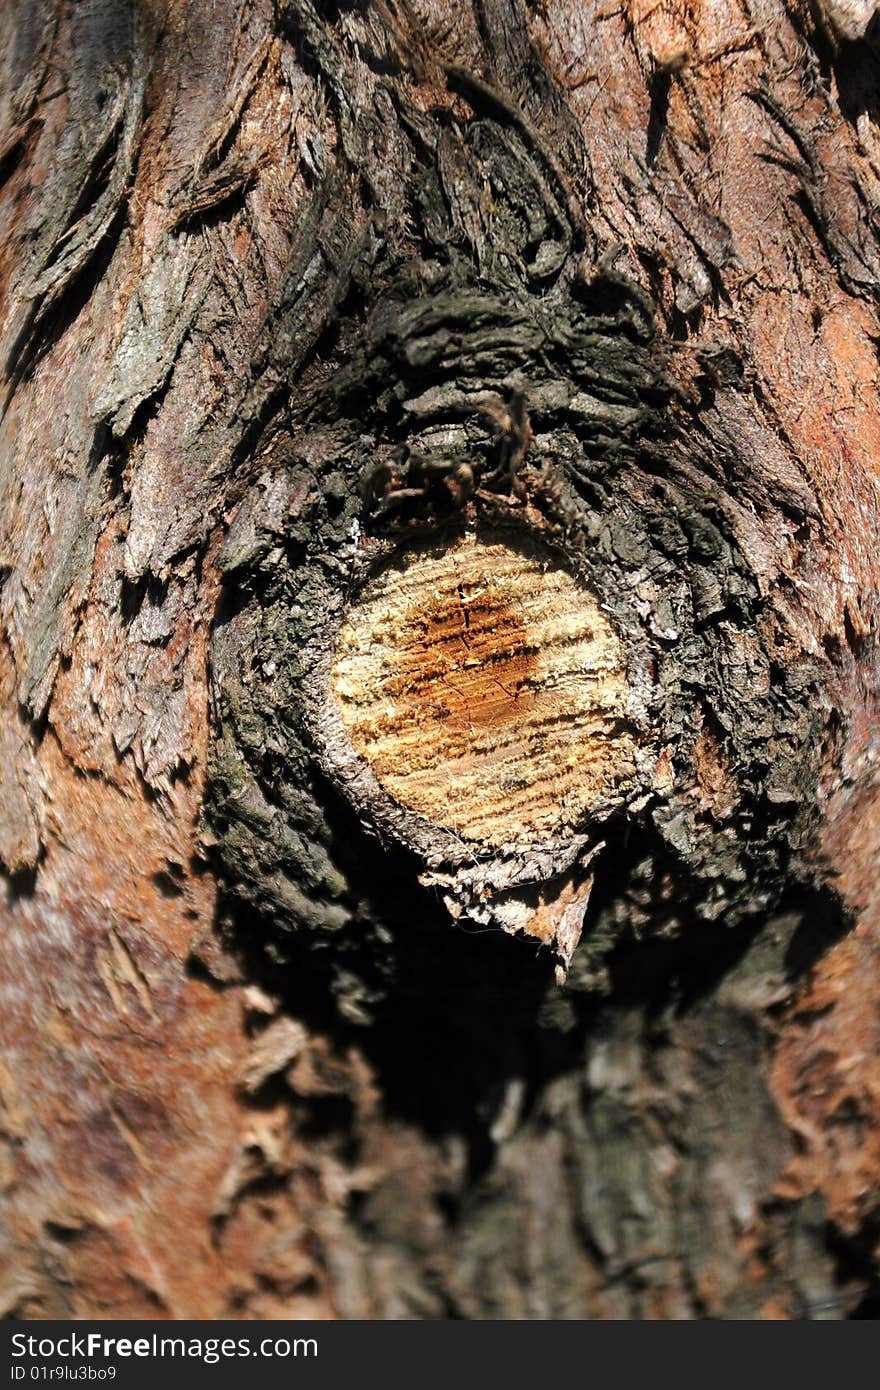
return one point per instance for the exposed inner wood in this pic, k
(487, 691)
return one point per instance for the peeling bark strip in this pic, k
(344, 345)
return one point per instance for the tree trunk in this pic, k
(440, 811)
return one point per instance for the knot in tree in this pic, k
(487, 691)
(438, 659)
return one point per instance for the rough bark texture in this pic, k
(288, 290)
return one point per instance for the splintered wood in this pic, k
(486, 690)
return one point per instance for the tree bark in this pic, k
(303, 302)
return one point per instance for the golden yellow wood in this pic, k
(487, 690)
